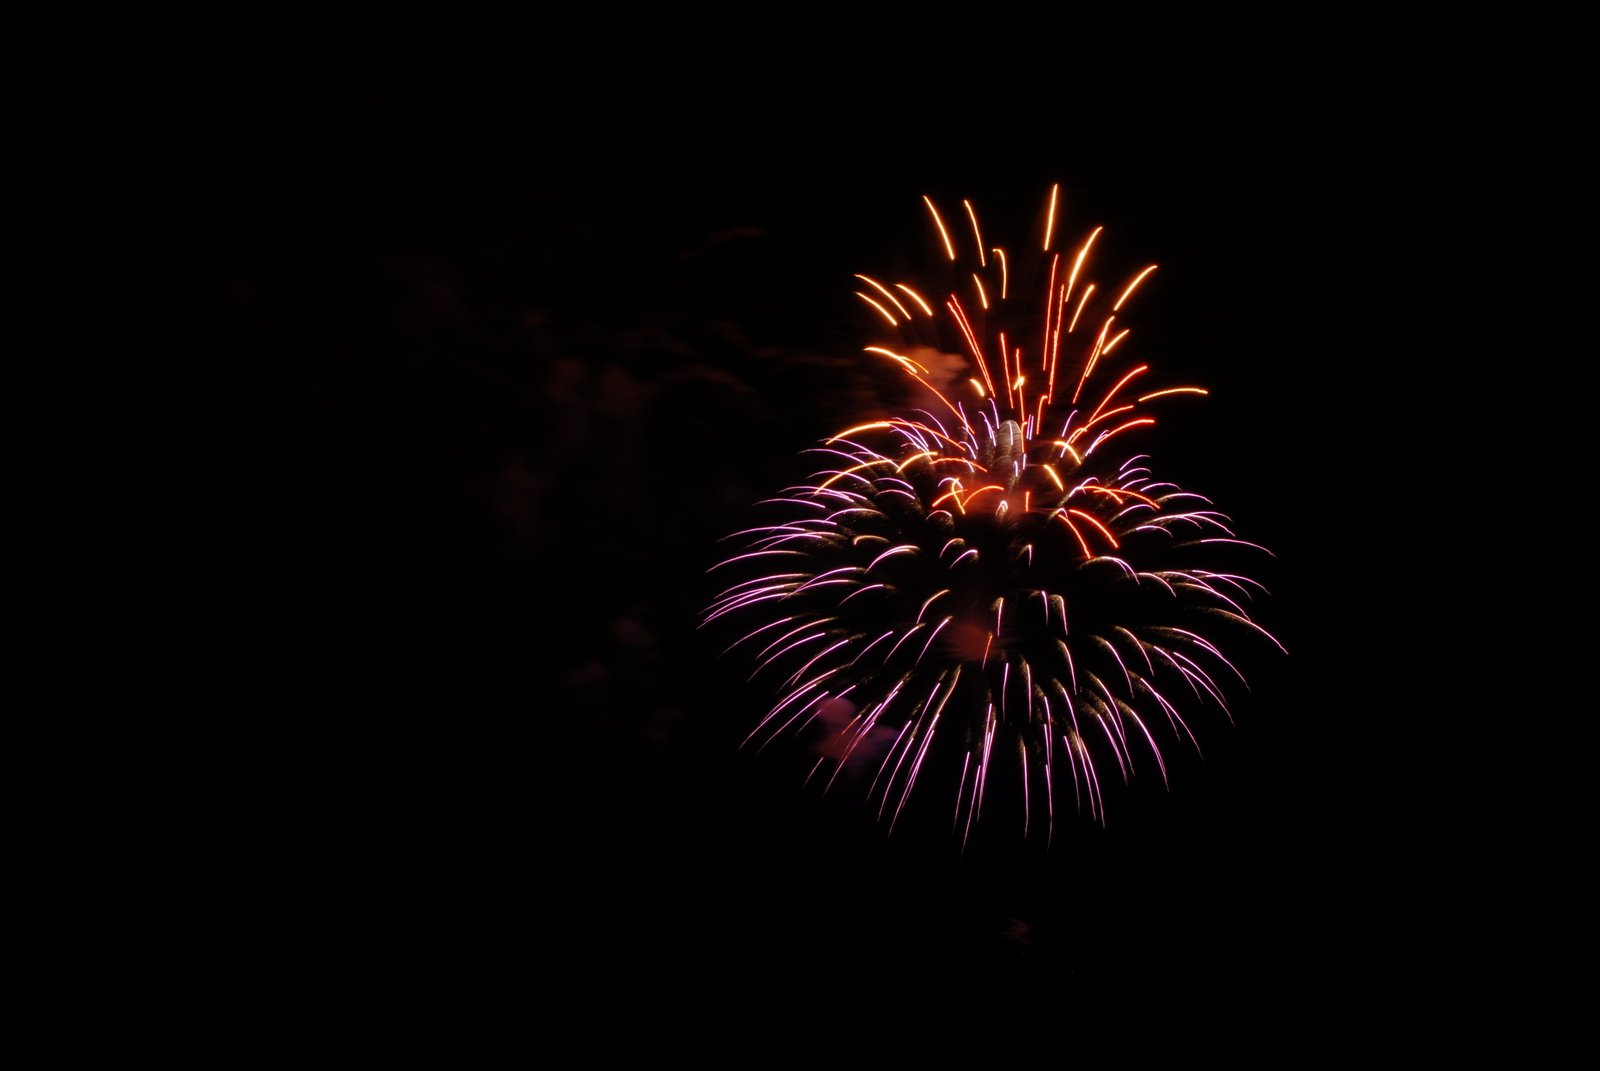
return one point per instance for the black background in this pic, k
(401, 427)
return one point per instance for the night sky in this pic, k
(403, 424)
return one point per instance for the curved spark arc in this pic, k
(1075, 602)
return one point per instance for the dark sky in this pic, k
(403, 424)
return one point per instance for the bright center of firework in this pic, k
(995, 582)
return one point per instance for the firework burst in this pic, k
(997, 586)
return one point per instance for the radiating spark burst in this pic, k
(996, 587)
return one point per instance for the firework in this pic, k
(996, 586)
